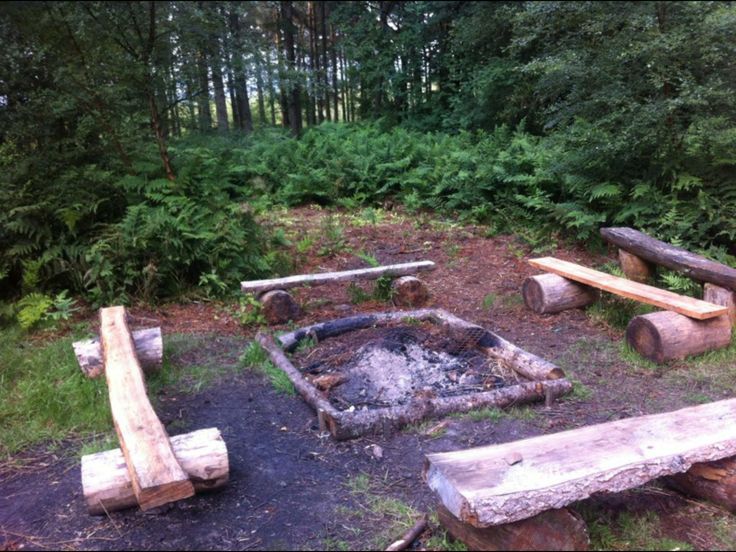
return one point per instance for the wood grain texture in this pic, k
(155, 474)
(404, 269)
(664, 335)
(694, 308)
(676, 258)
(505, 483)
(551, 530)
(550, 293)
(149, 348)
(107, 486)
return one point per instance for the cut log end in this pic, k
(721, 296)
(635, 268)
(279, 307)
(550, 293)
(409, 291)
(559, 529)
(663, 336)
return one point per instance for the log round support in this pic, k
(711, 481)
(665, 335)
(721, 296)
(635, 268)
(149, 348)
(560, 529)
(550, 293)
(278, 306)
(409, 291)
(107, 485)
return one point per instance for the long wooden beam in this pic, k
(694, 308)
(505, 483)
(676, 258)
(404, 269)
(155, 473)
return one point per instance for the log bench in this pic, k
(688, 327)
(493, 496)
(148, 469)
(638, 252)
(279, 306)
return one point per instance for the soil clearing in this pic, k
(292, 487)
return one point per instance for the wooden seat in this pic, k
(505, 483)
(693, 308)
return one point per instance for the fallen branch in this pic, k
(409, 537)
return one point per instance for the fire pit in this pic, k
(381, 371)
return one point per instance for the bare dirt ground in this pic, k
(292, 487)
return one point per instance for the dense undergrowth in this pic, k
(200, 231)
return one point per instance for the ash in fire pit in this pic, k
(379, 367)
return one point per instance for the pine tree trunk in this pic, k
(293, 93)
(203, 98)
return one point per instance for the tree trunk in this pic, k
(665, 335)
(219, 86)
(323, 32)
(237, 122)
(203, 98)
(294, 93)
(335, 90)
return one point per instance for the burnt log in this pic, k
(662, 336)
(635, 268)
(675, 258)
(711, 481)
(409, 291)
(278, 307)
(721, 296)
(550, 293)
(560, 529)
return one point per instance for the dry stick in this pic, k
(409, 537)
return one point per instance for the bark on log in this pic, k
(635, 268)
(278, 307)
(508, 482)
(106, 482)
(348, 425)
(560, 529)
(676, 258)
(721, 296)
(156, 475)
(410, 536)
(711, 481)
(394, 271)
(149, 348)
(550, 293)
(409, 291)
(662, 336)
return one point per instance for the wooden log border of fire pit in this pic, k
(545, 380)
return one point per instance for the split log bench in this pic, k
(279, 306)
(514, 495)
(148, 469)
(687, 327)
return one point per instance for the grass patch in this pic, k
(492, 414)
(256, 357)
(44, 395)
(387, 517)
(627, 531)
(100, 443)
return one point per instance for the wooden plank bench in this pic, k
(502, 484)
(638, 251)
(148, 468)
(688, 306)
(688, 327)
(279, 306)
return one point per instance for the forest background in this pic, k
(140, 141)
